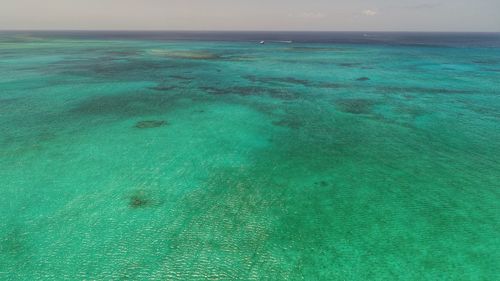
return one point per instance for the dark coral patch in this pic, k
(150, 124)
(126, 105)
(141, 199)
(250, 91)
(162, 88)
(322, 183)
(8, 101)
(289, 123)
(180, 77)
(273, 80)
(283, 94)
(362, 79)
(422, 90)
(130, 69)
(356, 106)
(292, 81)
(138, 202)
(12, 243)
(350, 64)
(487, 61)
(327, 85)
(242, 91)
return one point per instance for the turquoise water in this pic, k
(142, 159)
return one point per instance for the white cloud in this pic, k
(369, 12)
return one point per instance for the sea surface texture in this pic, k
(209, 156)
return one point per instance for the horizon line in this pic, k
(242, 31)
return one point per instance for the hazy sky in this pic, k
(366, 15)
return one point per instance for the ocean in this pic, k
(210, 156)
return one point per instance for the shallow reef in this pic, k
(321, 183)
(235, 161)
(421, 90)
(162, 88)
(180, 77)
(317, 49)
(194, 55)
(289, 123)
(350, 64)
(150, 124)
(141, 199)
(274, 81)
(277, 93)
(128, 69)
(355, 106)
(362, 79)
(132, 104)
(271, 80)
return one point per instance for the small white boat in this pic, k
(262, 42)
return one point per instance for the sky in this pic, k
(320, 15)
